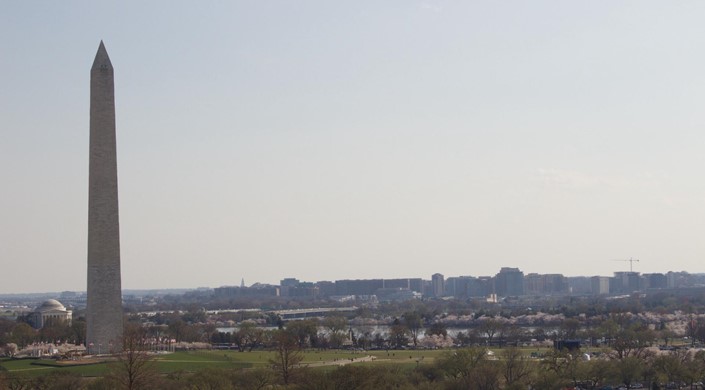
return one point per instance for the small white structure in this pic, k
(51, 311)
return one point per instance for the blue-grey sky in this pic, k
(327, 140)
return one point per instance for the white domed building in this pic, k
(51, 311)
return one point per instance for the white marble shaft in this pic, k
(104, 314)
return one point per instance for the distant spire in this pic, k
(102, 61)
(242, 283)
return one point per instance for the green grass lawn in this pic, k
(36, 367)
(190, 361)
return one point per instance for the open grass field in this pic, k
(196, 360)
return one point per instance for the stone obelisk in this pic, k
(104, 318)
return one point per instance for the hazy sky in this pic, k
(327, 140)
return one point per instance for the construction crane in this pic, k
(631, 262)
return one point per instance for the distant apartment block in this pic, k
(654, 281)
(509, 282)
(370, 286)
(600, 285)
(579, 285)
(625, 282)
(545, 284)
(438, 285)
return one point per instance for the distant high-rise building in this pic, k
(413, 284)
(555, 284)
(625, 282)
(600, 285)
(463, 287)
(288, 285)
(579, 285)
(289, 282)
(679, 279)
(509, 282)
(326, 288)
(655, 281)
(358, 286)
(437, 281)
(481, 286)
(533, 284)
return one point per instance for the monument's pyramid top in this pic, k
(102, 61)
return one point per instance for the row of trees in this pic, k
(623, 332)
(22, 334)
(181, 327)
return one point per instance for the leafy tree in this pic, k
(570, 327)
(255, 379)
(59, 380)
(609, 330)
(6, 327)
(398, 335)
(210, 379)
(336, 330)
(437, 328)
(379, 341)
(466, 339)
(3, 377)
(486, 377)
(178, 330)
(393, 377)
(194, 315)
(77, 334)
(510, 334)
(695, 368)
(597, 371)
(696, 330)
(9, 349)
(248, 336)
(489, 327)
(548, 380)
(305, 331)
(462, 364)
(335, 324)
(563, 363)
(363, 337)
(413, 322)
(18, 383)
(350, 377)
(23, 334)
(633, 341)
(629, 369)
(54, 331)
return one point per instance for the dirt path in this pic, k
(341, 362)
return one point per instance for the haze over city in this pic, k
(324, 140)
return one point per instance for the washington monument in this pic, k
(104, 299)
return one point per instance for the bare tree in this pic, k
(288, 355)
(490, 327)
(516, 367)
(135, 367)
(414, 322)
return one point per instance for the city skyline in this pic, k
(274, 139)
(424, 278)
